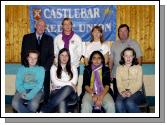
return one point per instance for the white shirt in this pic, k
(75, 48)
(65, 78)
(38, 36)
(96, 46)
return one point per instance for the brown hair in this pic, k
(66, 19)
(99, 28)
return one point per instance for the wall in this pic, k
(141, 20)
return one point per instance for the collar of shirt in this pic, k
(38, 36)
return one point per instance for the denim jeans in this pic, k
(87, 103)
(32, 105)
(58, 97)
(129, 104)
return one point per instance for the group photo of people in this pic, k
(70, 72)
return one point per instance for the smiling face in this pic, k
(40, 27)
(64, 57)
(96, 34)
(32, 59)
(128, 57)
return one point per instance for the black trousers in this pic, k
(115, 89)
(46, 86)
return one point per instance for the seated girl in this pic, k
(29, 84)
(96, 84)
(63, 83)
(129, 83)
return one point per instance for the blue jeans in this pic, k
(129, 104)
(58, 97)
(32, 105)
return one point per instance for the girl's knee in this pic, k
(33, 106)
(129, 103)
(110, 107)
(86, 107)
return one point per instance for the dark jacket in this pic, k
(45, 48)
(88, 73)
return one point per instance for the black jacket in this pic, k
(45, 48)
(87, 77)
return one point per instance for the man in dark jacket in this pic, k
(44, 44)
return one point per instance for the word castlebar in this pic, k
(72, 13)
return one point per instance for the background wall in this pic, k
(140, 19)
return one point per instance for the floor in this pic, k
(8, 109)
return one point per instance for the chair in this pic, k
(144, 106)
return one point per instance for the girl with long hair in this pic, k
(63, 83)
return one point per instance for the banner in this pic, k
(83, 17)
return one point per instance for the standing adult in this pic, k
(42, 42)
(70, 40)
(118, 47)
(97, 44)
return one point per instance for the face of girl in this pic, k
(32, 59)
(67, 26)
(96, 34)
(128, 57)
(64, 57)
(96, 60)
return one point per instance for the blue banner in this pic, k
(83, 17)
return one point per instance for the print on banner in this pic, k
(83, 17)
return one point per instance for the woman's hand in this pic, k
(98, 103)
(128, 93)
(94, 98)
(74, 87)
(123, 94)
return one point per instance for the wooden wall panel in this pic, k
(141, 20)
(16, 25)
(8, 33)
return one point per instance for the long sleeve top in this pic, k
(65, 78)
(129, 78)
(75, 48)
(88, 74)
(30, 78)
